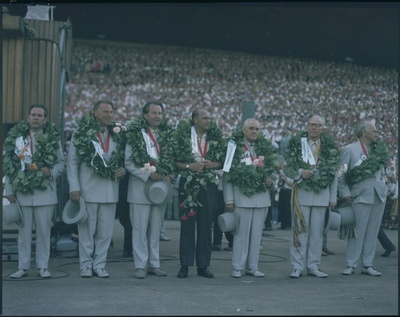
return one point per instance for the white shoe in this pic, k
(139, 273)
(19, 273)
(44, 273)
(236, 273)
(101, 272)
(164, 238)
(370, 271)
(86, 272)
(255, 273)
(295, 274)
(348, 270)
(317, 273)
(156, 271)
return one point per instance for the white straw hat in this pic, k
(12, 214)
(74, 213)
(159, 193)
(228, 222)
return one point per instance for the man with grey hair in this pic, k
(364, 185)
(312, 162)
(246, 187)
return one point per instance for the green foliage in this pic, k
(377, 158)
(183, 153)
(165, 165)
(328, 166)
(47, 144)
(87, 131)
(249, 178)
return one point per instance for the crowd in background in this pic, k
(285, 90)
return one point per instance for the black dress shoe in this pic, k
(183, 272)
(216, 247)
(127, 254)
(325, 250)
(388, 251)
(204, 271)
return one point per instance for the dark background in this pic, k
(363, 33)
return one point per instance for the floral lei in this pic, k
(183, 153)
(165, 165)
(377, 158)
(329, 161)
(47, 144)
(249, 178)
(87, 131)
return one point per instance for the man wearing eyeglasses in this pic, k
(312, 162)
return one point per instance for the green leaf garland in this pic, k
(87, 131)
(249, 178)
(165, 165)
(328, 166)
(47, 144)
(377, 158)
(183, 153)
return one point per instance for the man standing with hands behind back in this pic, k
(199, 153)
(312, 159)
(94, 169)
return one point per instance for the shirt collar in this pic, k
(32, 134)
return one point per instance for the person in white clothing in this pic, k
(37, 165)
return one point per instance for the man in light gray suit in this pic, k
(312, 162)
(94, 169)
(246, 185)
(364, 184)
(31, 180)
(149, 159)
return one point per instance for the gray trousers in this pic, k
(95, 235)
(308, 255)
(246, 242)
(41, 216)
(146, 224)
(368, 221)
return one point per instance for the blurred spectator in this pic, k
(285, 90)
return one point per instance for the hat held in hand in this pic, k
(227, 222)
(12, 213)
(159, 193)
(343, 216)
(74, 213)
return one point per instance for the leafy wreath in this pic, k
(377, 158)
(47, 144)
(249, 178)
(87, 130)
(183, 153)
(165, 165)
(329, 161)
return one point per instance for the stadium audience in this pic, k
(285, 90)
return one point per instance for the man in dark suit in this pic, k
(199, 153)
(123, 216)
